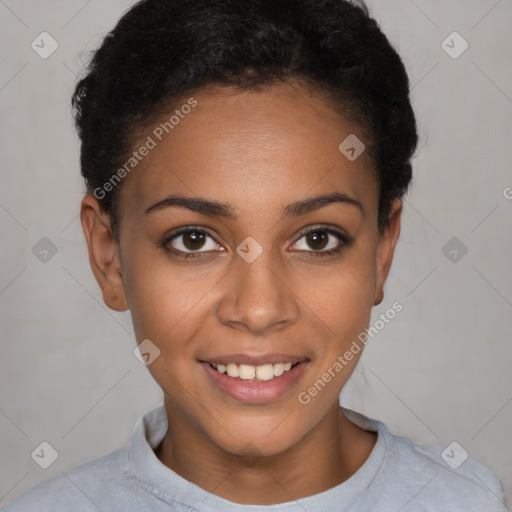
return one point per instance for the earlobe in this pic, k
(379, 296)
(103, 253)
(388, 239)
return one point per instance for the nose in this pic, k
(257, 297)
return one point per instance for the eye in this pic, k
(322, 240)
(189, 240)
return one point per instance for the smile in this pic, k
(263, 381)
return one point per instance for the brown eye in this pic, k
(317, 239)
(191, 240)
(321, 241)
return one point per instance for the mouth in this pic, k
(255, 380)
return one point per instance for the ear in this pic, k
(104, 254)
(388, 237)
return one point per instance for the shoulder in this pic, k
(444, 478)
(80, 488)
(413, 476)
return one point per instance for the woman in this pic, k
(245, 165)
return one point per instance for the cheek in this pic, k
(341, 297)
(163, 296)
(164, 305)
(168, 301)
(342, 303)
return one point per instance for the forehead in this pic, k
(250, 147)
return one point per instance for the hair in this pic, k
(162, 50)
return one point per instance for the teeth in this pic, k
(232, 369)
(278, 369)
(246, 372)
(250, 372)
(265, 372)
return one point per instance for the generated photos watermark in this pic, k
(151, 142)
(356, 346)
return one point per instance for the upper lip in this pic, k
(255, 360)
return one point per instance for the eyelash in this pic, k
(345, 241)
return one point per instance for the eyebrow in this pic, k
(215, 209)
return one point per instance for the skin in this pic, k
(257, 151)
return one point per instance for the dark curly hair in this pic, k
(162, 50)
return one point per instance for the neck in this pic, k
(334, 450)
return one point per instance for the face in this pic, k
(248, 244)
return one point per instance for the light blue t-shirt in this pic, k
(398, 476)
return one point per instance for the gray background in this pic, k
(439, 372)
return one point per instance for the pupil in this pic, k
(316, 238)
(193, 240)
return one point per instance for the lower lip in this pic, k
(256, 392)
